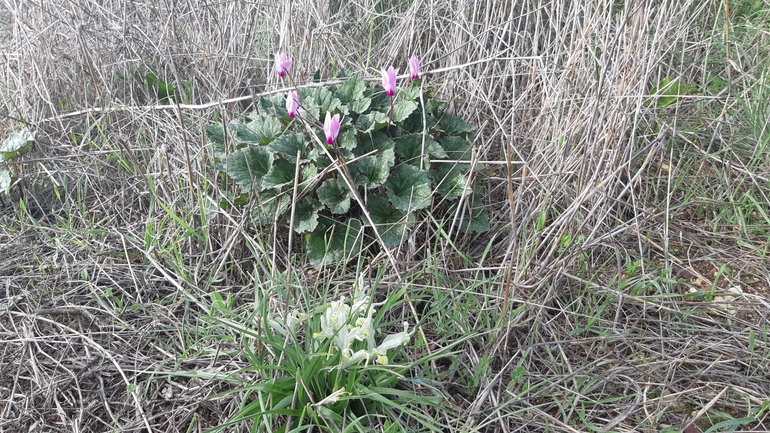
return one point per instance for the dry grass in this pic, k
(607, 213)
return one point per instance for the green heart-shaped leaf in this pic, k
(319, 100)
(371, 171)
(247, 166)
(360, 105)
(215, 134)
(475, 219)
(457, 149)
(335, 195)
(306, 215)
(351, 90)
(265, 127)
(5, 181)
(332, 242)
(453, 125)
(412, 147)
(287, 146)
(371, 122)
(347, 139)
(402, 110)
(376, 142)
(408, 188)
(274, 105)
(448, 180)
(270, 205)
(414, 123)
(390, 223)
(280, 174)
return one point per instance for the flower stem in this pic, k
(299, 93)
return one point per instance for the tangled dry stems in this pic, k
(559, 92)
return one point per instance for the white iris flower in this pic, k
(336, 324)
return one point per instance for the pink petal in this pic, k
(389, 81)
(414, 67)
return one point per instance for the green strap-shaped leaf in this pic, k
(247, 166)
(333, 242)
(392, 224)
(669, 90)
(163, 90)
(408, 188)
(335, 194)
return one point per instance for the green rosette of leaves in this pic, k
(389, 160)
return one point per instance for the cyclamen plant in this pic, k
(381, 156)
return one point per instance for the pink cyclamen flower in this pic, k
(414, 67)
(282, 63)
(331, 127)
(291, 104)
(389, 81)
